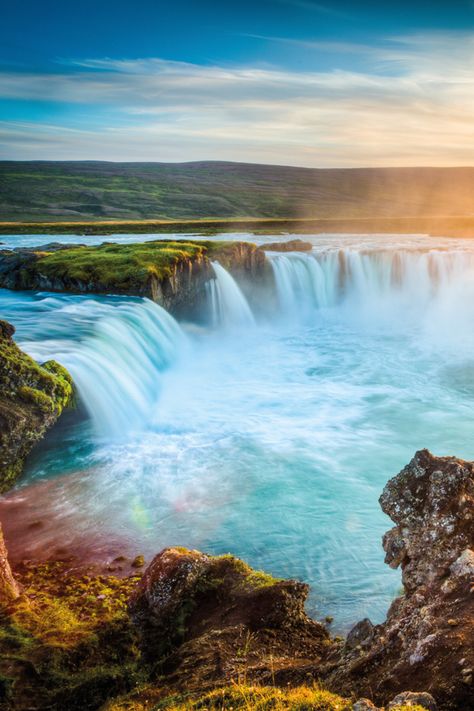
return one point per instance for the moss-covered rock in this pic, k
(172, 273)
(32, 397)
(209, 619)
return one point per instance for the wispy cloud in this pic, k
(309, 6)
(421, 112)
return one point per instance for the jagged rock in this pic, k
(31, 399)
(365, 705)
(414, 698)
(207, 619)
(9, 589)
(432, 503)
(427, 641)
(361, 634)
(292, 245)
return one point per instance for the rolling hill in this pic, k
(82, 191)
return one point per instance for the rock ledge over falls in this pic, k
(205, 632)
(171, 273)
(32, 397)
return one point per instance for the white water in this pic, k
(272, 442)
(229, 307)
(116, 351)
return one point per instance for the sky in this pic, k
(288, 82)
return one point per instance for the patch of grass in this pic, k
(126, 267)
(239, 697)
(67, 641)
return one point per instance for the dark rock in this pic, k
(365, 705)
(427, 641)
(361, 634)
(414, 698)
(217, 617)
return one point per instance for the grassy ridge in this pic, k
(51, 191)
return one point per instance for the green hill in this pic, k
(50, 191)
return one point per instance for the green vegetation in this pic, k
(75, 191)
(119, 266)
(126, 267)
(239, 697)
(251, 579)
(67, 641)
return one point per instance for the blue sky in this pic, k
(277, 81)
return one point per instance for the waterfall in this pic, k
(228, 305)
(115, 351)
(398, 282)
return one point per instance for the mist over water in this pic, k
(270, 437)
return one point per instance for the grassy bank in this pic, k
(443, 226)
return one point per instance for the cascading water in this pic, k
(116, 351)
(272, 443)
(228, 305)
(380, 284)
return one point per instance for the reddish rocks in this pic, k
(9, 589)
(209, 619)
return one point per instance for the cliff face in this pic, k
(31, 399)
(427, 641)
(173, 274)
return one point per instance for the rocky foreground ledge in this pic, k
(201, 632)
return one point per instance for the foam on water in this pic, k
(274, 442)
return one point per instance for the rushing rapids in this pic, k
(270, 442)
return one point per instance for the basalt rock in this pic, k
(32, 397)
(208, 620)
(427, 641)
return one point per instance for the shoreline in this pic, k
(436, 226)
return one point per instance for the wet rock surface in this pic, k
(32, 397)
(427, 641)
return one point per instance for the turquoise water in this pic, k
(273, 439)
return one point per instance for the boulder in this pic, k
(207, 619)
(427, 641)
(413, 698)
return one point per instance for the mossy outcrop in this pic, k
(172, 273)
(32, 397)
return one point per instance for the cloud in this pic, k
(314, 7)
(416, 107)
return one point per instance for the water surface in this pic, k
(269, 436)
